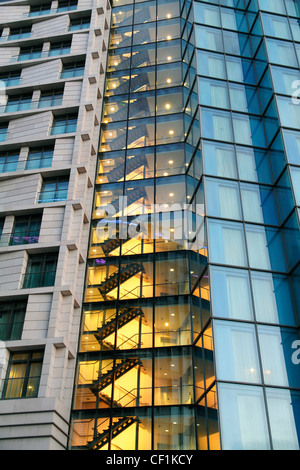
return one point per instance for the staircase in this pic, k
(133, 136)
(110, 245)
(132, 164)
(125, 316)
(138, 83)
(132, 196)
(137, 60)
(124, 274)
(106, 379)
(119, 426)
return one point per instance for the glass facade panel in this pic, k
(243, 418)
(190, 305)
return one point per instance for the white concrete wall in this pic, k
(46, 71)
(13, 13)
(19, 192)
(45, 29)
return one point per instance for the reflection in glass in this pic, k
(242, 417)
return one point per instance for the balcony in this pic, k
(52, 196)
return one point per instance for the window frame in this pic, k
(28, 361)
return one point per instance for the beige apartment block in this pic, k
(52, 62)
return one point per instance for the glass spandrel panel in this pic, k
(223, 199)
(216, 125)
(276, 26)
(144, 33)
(172, 324)
(285, 80)
(281, 53)
(231, 294)
(272, 298)
(243, 418)
(172, 429)
(145, 12)
(167, 9)
(276, 347)
(219, 160)
(141, 105)
(122, 16)
(169, 75)
(168, 52)
(226, 243)
(265, 248)
(259, 204)
(168, 30)
(173, 378)
(284, 418)
(120, 37)
(209, 38)
(207, 14)
(117, 83)
(236, 352)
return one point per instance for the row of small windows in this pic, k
(41, 268)
(61, 125)
(53, 189)
(23, 375)
(290, 7)
(45, 8)
(26, 230)
(35, 52)
(69, 70)
(23, 32)
(37, 158)
(24, 102)
(40, 272)
(273, 25)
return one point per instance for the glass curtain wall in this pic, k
(145, 376)
(190, 330)
(246, 51)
